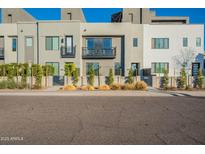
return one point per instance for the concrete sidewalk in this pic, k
(149, 93)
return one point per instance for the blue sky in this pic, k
(196, 15)
(103, 15)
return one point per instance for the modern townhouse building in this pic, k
(136, 38)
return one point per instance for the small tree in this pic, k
(165, 80)
(199, 79)
(1, 70)
(10, 72)
(91, 76)
(16, 71)
(130, 76)
(75, 77)
(69, 70)
(37, 72)
(48, 70)
(110, 77)
(182, 79)
(24, 72)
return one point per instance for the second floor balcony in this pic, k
(108, 53)
(1, 53)
(68, 52)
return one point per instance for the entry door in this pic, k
(29, 49)
(135, 69)
(195, 68)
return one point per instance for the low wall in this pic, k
(157, 81)
(101, 80)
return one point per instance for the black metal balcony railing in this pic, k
(67, 52)
(99, 53)
(1, 53)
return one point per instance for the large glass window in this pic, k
(52, 43)
(117, 68)
(14, 44)
(99, 43)
(185, 42)
(95, 67)
(160, 67)
(55, 66)
(160, 43)
(135, 42)
(69, 44)
(198, 42)
(1, 46)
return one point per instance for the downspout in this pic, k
(37, 24)
(140, 15)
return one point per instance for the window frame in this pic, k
(120, 69)
(156, 43)
(98, 43)
(52, 44)
(29, 37)
(66, 45)
(154, 66)
(198, 45)
(16, 47)
(186, 43)
(135, 42)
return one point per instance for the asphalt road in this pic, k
(101, 120)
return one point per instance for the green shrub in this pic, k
(22, 85)
(130, 76)
(110, 78)
(3, 84)
(48, 70)
(182, 79)
(165, 80)
(11, 84)
(10, 71)
(24, 73)
(91, 76)
(75, 77)
(199, 79)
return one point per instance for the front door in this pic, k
(29, 49)
(135, 69)
(195, 68)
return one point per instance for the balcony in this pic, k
(66, 52)
(1, 53)
(99, 53)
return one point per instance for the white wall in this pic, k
(175, 33)
(8, 30)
